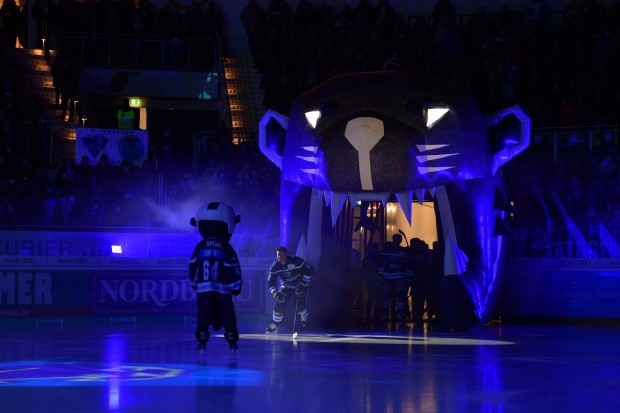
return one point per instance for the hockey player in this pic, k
(421, 258)
(215, 273)
(394, 278)
(289, 277)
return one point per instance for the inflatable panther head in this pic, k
(378, 135)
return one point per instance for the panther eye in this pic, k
(313, 117)
(434, 115)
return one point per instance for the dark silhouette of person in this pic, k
(370, 265)
(126, 116)
(70, 90)
(59, 67)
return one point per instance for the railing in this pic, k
(554, 18)
(226, 112)
(140, 52)
(563, 140)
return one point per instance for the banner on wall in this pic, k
(565, 288)
(558, 243)
(117, 145)
(95, 248)
(43, 293)
(17, 247)
(58, 293)
(57, 274)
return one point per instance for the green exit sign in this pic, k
(135, 102)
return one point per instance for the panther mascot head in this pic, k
(407, 136)
(216, 220)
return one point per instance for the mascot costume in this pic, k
(401, 136)
(215, 273)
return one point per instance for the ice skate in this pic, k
(271, 329)
(303, 317)
(231, 338)
(202, 342)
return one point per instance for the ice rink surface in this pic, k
(152, 366)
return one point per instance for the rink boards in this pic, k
(57, 274)
(63, 273)
(574, 288)
(84, 286)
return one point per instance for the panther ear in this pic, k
(266, 146)
(515, 148)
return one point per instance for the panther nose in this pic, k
(364, 133)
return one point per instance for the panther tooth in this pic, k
(404, 200)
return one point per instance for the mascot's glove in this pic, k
(237, 291)
(301, 290)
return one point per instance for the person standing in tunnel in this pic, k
(420, 257)
(370, 265)
(289, 278)
(394, 279)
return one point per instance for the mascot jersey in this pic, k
(296, 271)
(214, 267)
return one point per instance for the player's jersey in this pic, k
(394, 265)
(214, 267)
(296, 271)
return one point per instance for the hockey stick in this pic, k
(295, 319)
(401, 232)
(282, 271)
